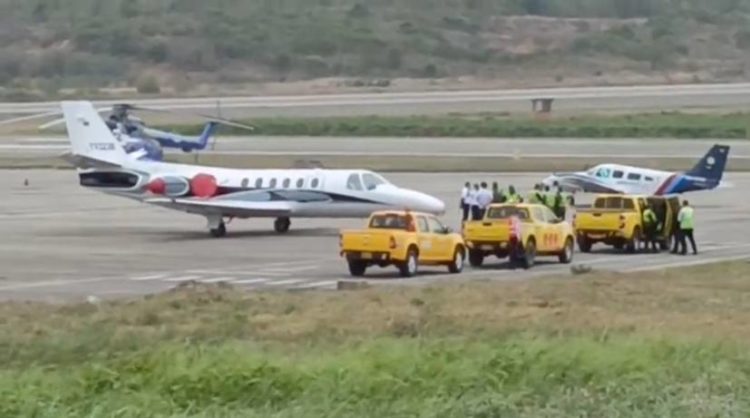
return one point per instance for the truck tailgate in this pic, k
(487, 231)
(599, 220)
(370, 240)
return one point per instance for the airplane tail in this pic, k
(91, 140)
(208, 132)
(711, 166)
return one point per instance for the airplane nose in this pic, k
(429, 204)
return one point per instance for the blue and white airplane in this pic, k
(616, 178)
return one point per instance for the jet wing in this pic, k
(246, 203)
(225, 207)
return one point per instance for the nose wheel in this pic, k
(219, 231)
(281, 225)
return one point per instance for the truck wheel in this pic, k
(584, 244)
(529, 254)
(635, 241)
(357, 268)
(566, 256)
(476, 258)
(457, 264)
(409, 267)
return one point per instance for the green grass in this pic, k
(666, 344)
(652, 125)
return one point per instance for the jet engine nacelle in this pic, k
(201, 185)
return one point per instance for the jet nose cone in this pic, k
(426, 203)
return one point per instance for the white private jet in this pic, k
(616, 178)
(223, 193)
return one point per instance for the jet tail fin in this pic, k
(712, 165)
(89, 136)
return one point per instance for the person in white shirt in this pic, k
(473, 203)
(484, 199)
(465, 206)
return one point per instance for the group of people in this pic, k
(476, 198)
(682, 229)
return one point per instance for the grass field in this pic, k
(647, 125)
(661, 344)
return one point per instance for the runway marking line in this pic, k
(182, 278)
(289, 269)
(323, 283)
(251, 281)
(217, 280)
(150, 277)
(54, 283)
(697, 262)
(285, 282)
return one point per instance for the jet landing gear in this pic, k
(281, 225)
(216, 226)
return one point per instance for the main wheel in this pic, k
(357, 268)
(281, 225)
(219, 231)
(566, 256)
(529, 254)
(457, 264)
(409, 267)
(584, 244)
(476, 258)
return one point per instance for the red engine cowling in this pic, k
(171, 186)
(203, 185)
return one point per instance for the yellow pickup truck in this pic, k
(617, 220)
(521, 232)
(404, 239)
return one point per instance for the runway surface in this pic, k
(451, 147)
(62, 242)
(566, 99)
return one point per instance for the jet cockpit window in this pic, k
(353, 182)
(372, 181)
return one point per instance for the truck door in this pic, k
(425, 239)
(440, 240)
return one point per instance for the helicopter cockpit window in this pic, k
(353, 182)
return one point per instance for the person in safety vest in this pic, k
(685, 219)
(512, 196)
(536, 196)
(650, 225)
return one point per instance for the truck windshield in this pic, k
(389, 222)
(505, 212)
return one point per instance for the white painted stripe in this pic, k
(324, 283)
(53, 283)
(250, 281)
(285, 282)
(151, 277)
(290, 269)
(697, 262)
(182, 278)
(217, 280)
(236, 273)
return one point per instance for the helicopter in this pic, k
(138, 138)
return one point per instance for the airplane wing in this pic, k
(225, 207)
(252, 203)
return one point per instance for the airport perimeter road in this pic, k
(566, 99)
(449, 147)
(62, 242)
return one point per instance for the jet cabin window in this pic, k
(300, 183)
(259, 183)
(353, 182)
(286, 183)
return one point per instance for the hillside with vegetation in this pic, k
(154, 45)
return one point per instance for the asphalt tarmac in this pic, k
(568, 99)
(62, 242)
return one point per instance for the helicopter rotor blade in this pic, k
(62, 120)
(213, 118)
